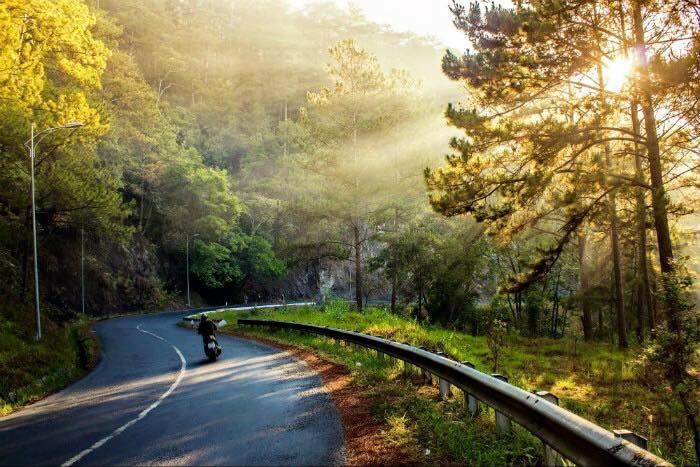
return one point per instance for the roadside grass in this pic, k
(30, 369)
(593, 380)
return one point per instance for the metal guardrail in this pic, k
(574, 437)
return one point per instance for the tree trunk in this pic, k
(617, 274)
(658, 193)
(321, 301)
(586, 319)
(394, 273)
(645, 306)
(644, 291)
(614, 230)
(690, 413)
(358, 266)
(143, 193)
(615, 243)
(555, 305)
(420, 300)
(512, 309)
(659, 204)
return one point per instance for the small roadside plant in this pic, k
(496, 340)
(336, 309)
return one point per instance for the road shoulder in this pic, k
(365, 443)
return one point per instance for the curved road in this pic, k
(153, 399)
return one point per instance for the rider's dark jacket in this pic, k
(206, 328)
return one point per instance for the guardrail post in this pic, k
(503, 424)
(551, 457)
(633, 438)
(427, 375)
(393, 361)
(445, 389)
(407, 369)
(471, 401)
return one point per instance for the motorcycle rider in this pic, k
(206, 328)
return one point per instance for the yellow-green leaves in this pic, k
(46, 40)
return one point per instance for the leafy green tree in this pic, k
(51, 66)
(214, 265)
(237, 261)
(342, 119)
(197, 199)
(441, 265)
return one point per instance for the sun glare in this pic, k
(616, 72)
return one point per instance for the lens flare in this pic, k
(616, 72)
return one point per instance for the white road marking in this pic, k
(150, 333)
(143, 413)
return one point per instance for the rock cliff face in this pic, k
(304, 282)
(138, 277)
(118, 278)
(301, 282)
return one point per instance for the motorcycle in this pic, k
(212, 349)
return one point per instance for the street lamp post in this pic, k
(187, 267)
(82, 269)
(31, 144)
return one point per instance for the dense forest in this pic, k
(195, 129)
(286, 147)
(277, 154)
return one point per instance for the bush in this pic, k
(30, 369)
(674, 353)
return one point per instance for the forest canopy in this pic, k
(182, 146)
(309, 179)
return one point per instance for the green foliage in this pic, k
(52, 65)
(238, 260)
(546, 144)
(441, 265)
(674, 353)
(258, 259)
(214, 265)
(197, 199)
(29, 369)
(137, 166)
(215, 124)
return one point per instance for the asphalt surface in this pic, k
(155, 400)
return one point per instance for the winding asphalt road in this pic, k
(155, 400)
